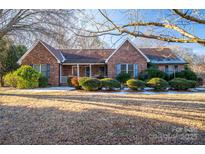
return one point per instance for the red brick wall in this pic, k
(126, 54)
(40, 55)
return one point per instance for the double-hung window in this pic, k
(43, 69)
(131, 69)
(123, 68)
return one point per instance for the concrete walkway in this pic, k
(148, 91)
(49, 89)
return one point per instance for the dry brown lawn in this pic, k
(77, 117)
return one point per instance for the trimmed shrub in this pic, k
(82, 80)
(27, 77)
(10, 79)
(135, 84)
(25, 84)
(182, 84)
(123, 77)
(75, 83)
(158, 84)
(43, 81)
(152, 73)
(91, 84)
(110, 84)
(187, 74)
(28, 73)
(192, 83)
(169, 77)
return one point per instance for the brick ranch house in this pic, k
(59, 64)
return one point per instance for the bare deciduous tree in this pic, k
(25, 24)
(53, 26)
(171, 27)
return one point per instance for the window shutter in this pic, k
(117, 68)
(135, 70)
(48, 70)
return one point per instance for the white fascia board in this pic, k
(62, 56)
(147, 59)
(83, 63)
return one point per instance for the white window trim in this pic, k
(40, 66)
(127, 67)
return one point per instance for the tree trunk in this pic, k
(1, 81)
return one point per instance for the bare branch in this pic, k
(114, 29)
(189, 17)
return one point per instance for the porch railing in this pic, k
(64, 79)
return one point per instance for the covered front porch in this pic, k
(96, 70)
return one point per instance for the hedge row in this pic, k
(155, 73)
(159, 84)
(25, 77)
(93, 84)
(182, 84)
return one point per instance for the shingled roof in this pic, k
(86, 55)
(162, 56)
(153, 55)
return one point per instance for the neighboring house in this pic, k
(58, 64)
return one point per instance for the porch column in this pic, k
(90, 70)
(78, 71)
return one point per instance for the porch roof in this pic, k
(73, 58)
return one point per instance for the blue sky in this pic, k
(121, 17)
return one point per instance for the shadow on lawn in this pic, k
(198, 106)
(111, 120)
(24, 125)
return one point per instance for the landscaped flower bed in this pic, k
(131, 85)
(27, 78)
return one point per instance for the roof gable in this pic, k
(54, 52)
(153, 55)
(130, 42)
